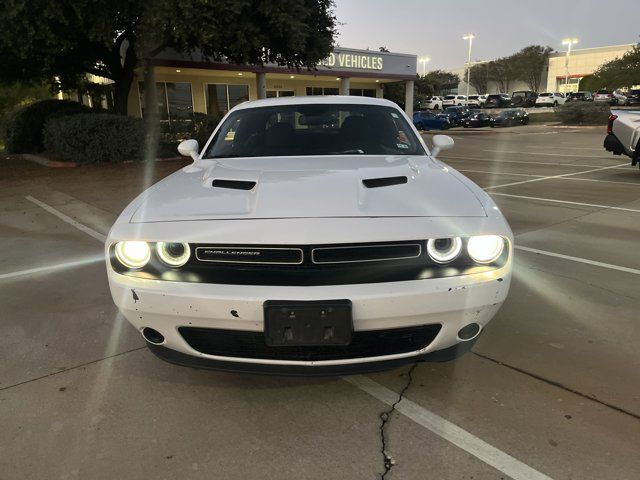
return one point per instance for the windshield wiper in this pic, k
(355, 151)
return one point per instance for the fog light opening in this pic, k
(152, 336)
(469, 332)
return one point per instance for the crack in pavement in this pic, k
(588, 396)
(385, 418)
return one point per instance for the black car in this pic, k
(579, 97)
(524, 98)
(510, 117)
(476, 119)
(633, 97)
(455, 115)
(498, 100)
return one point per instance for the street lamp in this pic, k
(470, 37)
(424, 61)
(568, 42)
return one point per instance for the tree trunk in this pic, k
(122, 86)
(151, 113)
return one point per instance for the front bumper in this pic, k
(452, 302)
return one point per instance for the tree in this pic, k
(65, 39)
(479, 77)
(437, 82)
(529, 64)
(621, 72)
(502, 72)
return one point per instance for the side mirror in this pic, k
(440, 143)
(189, 148)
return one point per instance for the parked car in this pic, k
(633, 97)
(476, 101)
(612, 98)
(579, 97)
(455, 115)
(498, 100)
(550, 99)
(434, 103)
(454, 100)
(476, 119)
(510, 117)
(311, 251)
(425, 120)
(623, 134)
(523, 98)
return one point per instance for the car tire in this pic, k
(420, 126)
(525, 121)
(436, 107)
(555, 103)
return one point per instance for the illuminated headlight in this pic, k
(173, 254)
(485, 248)
(133, 254)
(443, 250)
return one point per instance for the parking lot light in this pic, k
(568, 42)
(469, 37)
(424, 61)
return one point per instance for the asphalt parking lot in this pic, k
(551, 389)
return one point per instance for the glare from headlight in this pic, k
(485, 248)
(133, 254)
(443, 250)
(172, 253)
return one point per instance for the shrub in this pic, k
(199, 128)
(95, 138)
(584, 113)
(24, 130)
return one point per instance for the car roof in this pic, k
(316, 99)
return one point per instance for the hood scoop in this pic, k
(233, 184)
(383, 182)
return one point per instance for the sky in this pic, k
(502, 27)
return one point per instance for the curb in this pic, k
(46, 162)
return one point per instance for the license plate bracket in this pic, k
(307, 323)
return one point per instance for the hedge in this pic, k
(199, 128)
(24, 129)
(583, 113)
(95, 138)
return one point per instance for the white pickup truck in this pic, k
(623, 134)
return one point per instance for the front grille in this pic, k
(371, 343)
(365, 253)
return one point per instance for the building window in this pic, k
(222, 97)
(280, 93)
(323, 91)
(362, 92)
(174, 100)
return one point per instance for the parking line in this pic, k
(635, 184)
(449, 431)
(578, 259)
(554, 176)
(484, 159)
(65, 218)
(553, 200)
(59, 266)
(601, 157)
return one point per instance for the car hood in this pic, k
(298, 187)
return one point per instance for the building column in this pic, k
(408, 97)
(344, 85)
(261, 85)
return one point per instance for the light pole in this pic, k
(568, 42)
(424, 61)
(470, 37)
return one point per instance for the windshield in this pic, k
(450, 97)
(546, 94)
(314, 129)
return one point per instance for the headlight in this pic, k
(485, 248)
(173, 254)
(133, 254)
(443, 250)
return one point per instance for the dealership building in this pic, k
(188, 84)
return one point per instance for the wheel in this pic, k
(459, 104)
(525, 121)
(555, 103)
(419, 126)
(436, 107)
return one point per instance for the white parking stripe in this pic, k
(554, 176)
(48, 268)
(521, 152)
(484, 159)
(449, 431)
(65, 218)
(579, 260)
(553, 200)
(635, 184)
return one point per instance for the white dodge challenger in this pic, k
(311, 235)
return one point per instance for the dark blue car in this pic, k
(429, 121)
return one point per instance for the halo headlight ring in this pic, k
(444, 250)
(173, 254)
